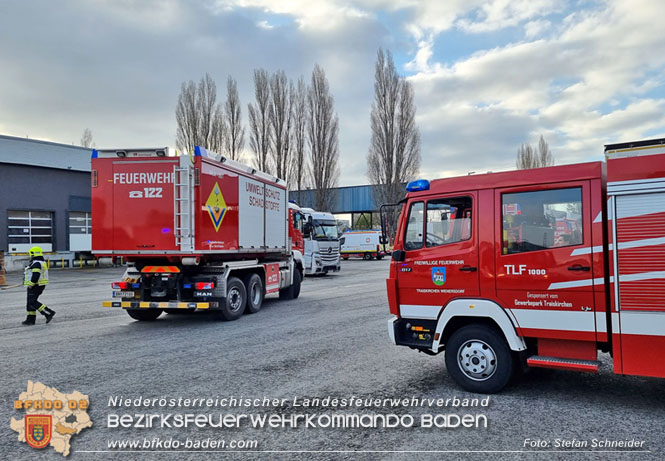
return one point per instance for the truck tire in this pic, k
(233, 305)
(293, 291)
(367, 256)
(479, 359)
(255, 293)
(144, 315)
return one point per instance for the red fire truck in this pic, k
(198, 233)
(539, 268)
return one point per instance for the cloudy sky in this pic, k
(487, 75)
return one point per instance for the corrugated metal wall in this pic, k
(351, 199)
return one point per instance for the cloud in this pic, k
(116, 68)
(582, 87)
(499, 14)
(581, 73)
(318, 15)
(533, 29)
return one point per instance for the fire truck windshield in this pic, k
(325, 230)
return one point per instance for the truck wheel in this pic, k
(367, 256)
(144, 315)
(255, 293)
(293, 291)
(233, 305)
(379, 257)
(297, 280)
(478, 359)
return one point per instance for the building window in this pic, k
(541, 220)
(29, 228)
(80, 222)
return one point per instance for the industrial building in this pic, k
(45, 191)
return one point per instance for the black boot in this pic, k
(30, 320)
(48, 313)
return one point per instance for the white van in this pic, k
(365, 244)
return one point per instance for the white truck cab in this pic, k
(322, 252)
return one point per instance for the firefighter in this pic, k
(36, 279)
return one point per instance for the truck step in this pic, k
(563, 364)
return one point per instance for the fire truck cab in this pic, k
(519, 268)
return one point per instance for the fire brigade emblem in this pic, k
(439, 275)
(38, 430)
(216, 206)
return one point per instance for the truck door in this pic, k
(543, 262)
(441, 254)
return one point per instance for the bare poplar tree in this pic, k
(394, 152)
(197, 116)
(86, 138)
(206, 97)
(186, 116)
(322, 138)
(544, 153)
(527, 157)
(218, 131)
(280, 123)
(298, 156)
(235, 139)
(260, 136)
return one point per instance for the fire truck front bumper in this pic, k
(414, 333)
(160, 305)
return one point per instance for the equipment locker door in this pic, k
(143, 204)
(543, 262)
(441, 254)
(639, 237)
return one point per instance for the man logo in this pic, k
(439, 275)
(38, 430)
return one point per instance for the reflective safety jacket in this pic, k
(36, 273)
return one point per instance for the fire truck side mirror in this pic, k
(399, 255)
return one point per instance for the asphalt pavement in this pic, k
(330, 342)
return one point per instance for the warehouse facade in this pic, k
(45, 200)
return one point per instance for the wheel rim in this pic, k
(235, 299)
(477, 360)
(256, 294)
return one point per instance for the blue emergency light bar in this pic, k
(418, 185)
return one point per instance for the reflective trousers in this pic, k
(33, 304)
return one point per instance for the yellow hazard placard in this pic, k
(216, 206)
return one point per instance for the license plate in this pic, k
(123, 294)
(203, 294)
